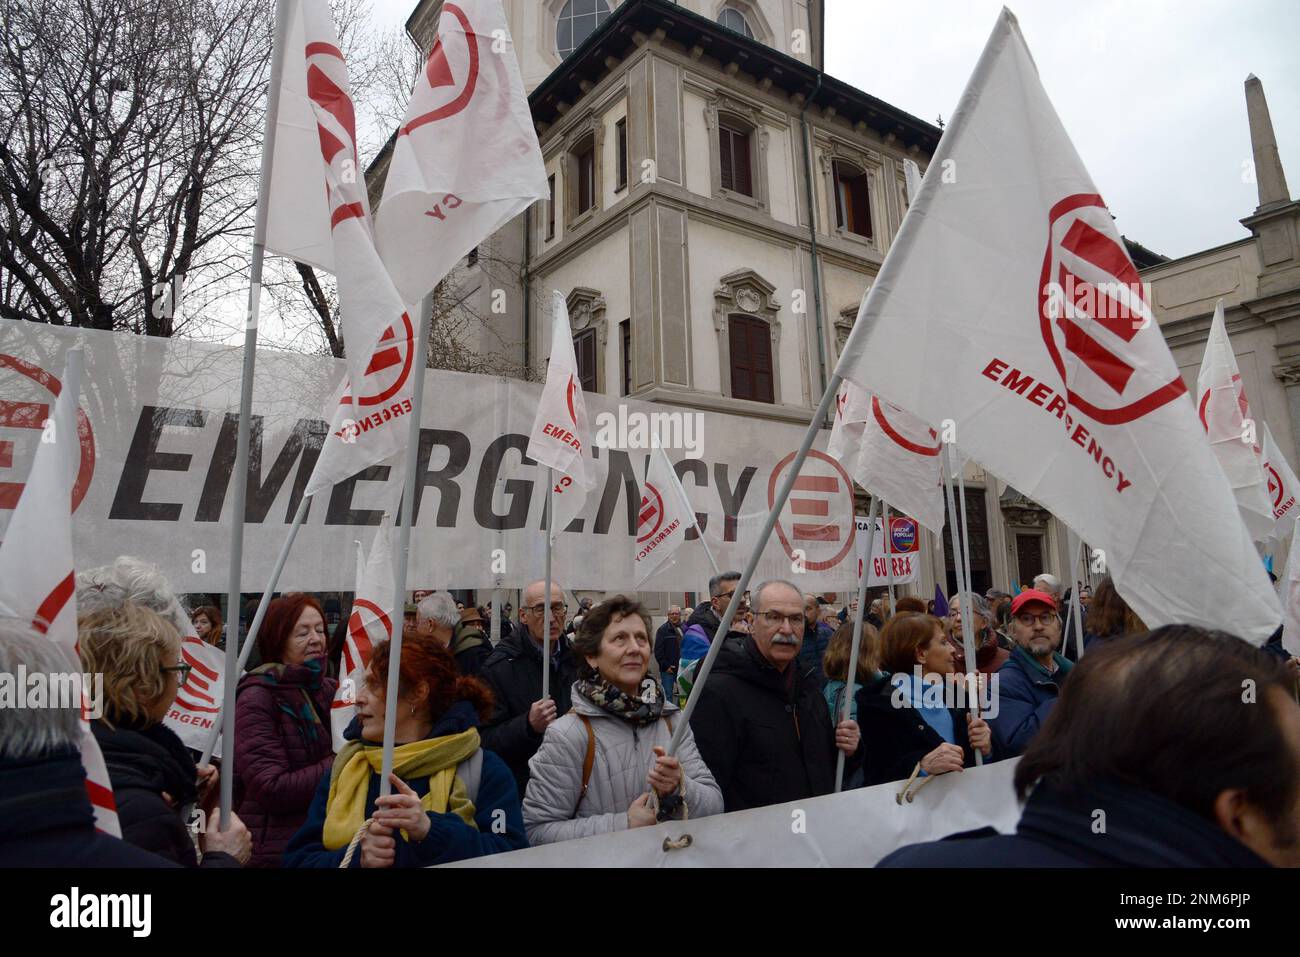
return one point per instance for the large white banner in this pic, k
(853, 829)
(155, 468)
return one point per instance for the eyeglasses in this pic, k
(539, 609)
(775, 618)
(1045, 619)
(724, 596)
(183, 671)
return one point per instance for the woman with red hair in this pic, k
(282, 727)
(450, 799)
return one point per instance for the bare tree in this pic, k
(129, 136)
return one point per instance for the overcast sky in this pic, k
(1149, 90)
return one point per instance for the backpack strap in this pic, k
(588, 761)
(470, 771)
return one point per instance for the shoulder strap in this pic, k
(470, 771)
(588, 760)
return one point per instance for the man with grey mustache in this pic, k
(761, 723)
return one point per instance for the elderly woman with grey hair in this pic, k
(989, 654)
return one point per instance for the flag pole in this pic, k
(546, 598)
(889, 554)
(420, 346)
(1076, 609)
(783, 493)
(864, 576)
(965, 528)
(695, 518)
(967, 636)
(250, 640)
(279, 40)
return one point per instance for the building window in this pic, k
(550, 207)
(734, 157)
(733, 19)
(578, 20)
(620, 144)
(585, 162)
(625, 350)
(852, 199)
(584, 347)
(751, 358)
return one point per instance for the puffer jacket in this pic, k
(145, 763)
(280, 756)
(554, 807)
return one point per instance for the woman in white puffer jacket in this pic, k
(615, 739)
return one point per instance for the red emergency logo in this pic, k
(1091, 305)
(16, 414)
(568, 397)
(390, 365)
(196, 693)
(911, 444)
(651, 514)
(442, 95)
(821, 490)
(1243, 407)
(363, 631)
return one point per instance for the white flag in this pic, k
(1233, 433)
(1009, 305)
(663, 518)
(1282, 487)
(560, 437)
(466, 159)
(1291, 626)
(370, 623)
(197, 707)
(890, 453)
(322, 205)
(38, 580)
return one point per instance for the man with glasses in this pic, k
(513, 671)
(761, 724)
(1030, 680)
(703, 625)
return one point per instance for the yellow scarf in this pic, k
(434, 758)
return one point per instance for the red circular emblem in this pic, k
(823, 489)
(911, 446)
(32, 415)
(651, 514)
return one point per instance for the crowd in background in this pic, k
(485, 763)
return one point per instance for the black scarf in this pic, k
(616, 701)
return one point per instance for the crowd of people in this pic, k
(484, 762)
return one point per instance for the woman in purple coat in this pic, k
(282, 726)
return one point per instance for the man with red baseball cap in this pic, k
(1030, 680)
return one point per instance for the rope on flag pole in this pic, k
(420, 347)
(279, 41)
(250, 640)
(1076, 608)
(546, 597)
(967, 637)
(864, 575)
(783, 493)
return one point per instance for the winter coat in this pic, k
(143, 763)
(471, 648)
(46, 819)
(696, 639)
(1059, 830)
(896, 738)
(555, 808)
(1026, 695)
(280, 756)
(449, 838)
(815, 640)
(766, 735)
(668, 648)
(514, 673)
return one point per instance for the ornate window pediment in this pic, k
(587, 311)
(748, 298)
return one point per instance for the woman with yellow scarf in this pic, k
(451, 799)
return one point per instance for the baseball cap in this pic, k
(1032, 595)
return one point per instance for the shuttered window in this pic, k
(733, 154)
(751, 358)
(584, 347)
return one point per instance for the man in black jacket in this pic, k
(1178, 748)
(514, 673)
(668, 648)
(761, 724)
